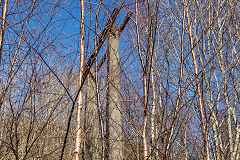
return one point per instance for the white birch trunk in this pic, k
(80, 97)
(4, 13)
(153, 125)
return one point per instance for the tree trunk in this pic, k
(153, 125)
(80, 97)
(145, 119)
(4, 13)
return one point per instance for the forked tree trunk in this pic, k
(146, 81)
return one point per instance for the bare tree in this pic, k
(173, 92)
(202, 112)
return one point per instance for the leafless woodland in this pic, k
(120, 79)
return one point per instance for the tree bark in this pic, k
(153, 125)
(4, 13)
(145, 119)
(80, 97)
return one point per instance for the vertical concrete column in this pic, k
(115, 142)
(90, 122)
